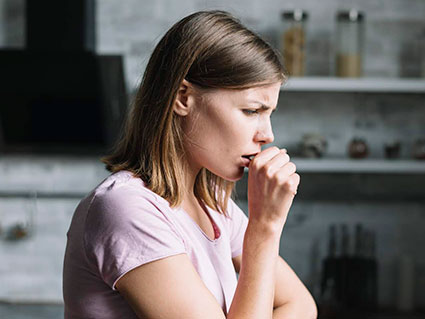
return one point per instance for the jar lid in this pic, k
(296, 15)
(352, 15)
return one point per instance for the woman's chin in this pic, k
(235, 176)
(232, 175)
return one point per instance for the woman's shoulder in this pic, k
(125, 186)
(123, 195)
(127, 225)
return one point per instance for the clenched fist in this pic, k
(272, 185)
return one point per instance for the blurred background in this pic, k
(352, 116)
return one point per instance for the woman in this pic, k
(160, 237)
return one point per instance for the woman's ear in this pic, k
(184, 98)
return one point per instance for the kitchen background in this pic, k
(381, 199)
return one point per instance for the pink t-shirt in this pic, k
(121, 225)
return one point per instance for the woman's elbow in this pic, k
(311, 311)
(307, 308)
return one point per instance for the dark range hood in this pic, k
(57, 95)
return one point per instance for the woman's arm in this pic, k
(291, 298)
(254, 294)
(169, 288)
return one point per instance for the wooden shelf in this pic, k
(334, 84)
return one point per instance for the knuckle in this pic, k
(296, 180)
(276, 179)
(290, 183)
(281, 180)
(255, 164)
(268, 171)
(286, 187)
(262, 168)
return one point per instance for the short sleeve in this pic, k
(237, 224)
(125, 230)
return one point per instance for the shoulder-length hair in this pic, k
(210, 49)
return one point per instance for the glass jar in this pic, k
(292, 41)
(349, 43)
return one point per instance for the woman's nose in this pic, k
(265, 134)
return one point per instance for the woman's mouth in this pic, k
(247, 159)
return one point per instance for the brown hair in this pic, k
(210, 49)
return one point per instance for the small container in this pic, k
(293, 40)
(357, 148)
(349, 43)
(313, 145)
(392, 149)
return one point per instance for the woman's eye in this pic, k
(250, 112)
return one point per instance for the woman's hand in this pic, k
(272, 185)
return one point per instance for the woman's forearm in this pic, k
(254, 294)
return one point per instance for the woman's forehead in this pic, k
(256, 94)
(266, 96)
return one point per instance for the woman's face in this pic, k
(225, 125)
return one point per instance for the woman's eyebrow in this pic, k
(263, 106)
